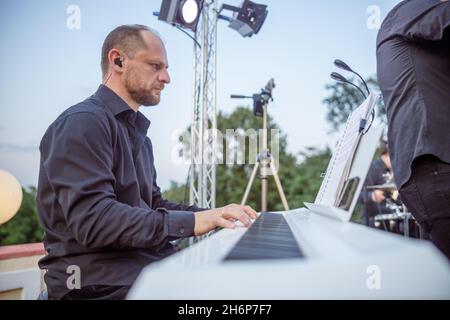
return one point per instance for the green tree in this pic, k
(232, 180)
(24, 227)
(177, 192)
(307, 181)
(344, 98)
(300, 180)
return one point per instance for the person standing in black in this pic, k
(413, 67)
(98, 199)
(374, 201)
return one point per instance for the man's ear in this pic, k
(115, 60)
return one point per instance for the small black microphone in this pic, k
(342, 65)
(339, 77)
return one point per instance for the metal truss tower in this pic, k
(204, 120)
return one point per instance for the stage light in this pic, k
(189, 11)
(10, 196)
(182, 13)
(248, 19)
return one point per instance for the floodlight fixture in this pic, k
(181, 13)
(247, 19)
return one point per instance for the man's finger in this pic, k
(224, 223)
(243, 217)
(251, 212)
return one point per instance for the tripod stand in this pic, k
(264, 159)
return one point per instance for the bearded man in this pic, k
(98, 199)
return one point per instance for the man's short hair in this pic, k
(127, 38)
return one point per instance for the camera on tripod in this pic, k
(264, 159)
(259, 99)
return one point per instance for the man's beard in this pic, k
(140, 95)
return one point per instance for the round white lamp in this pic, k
(10, 196)
(189, 11)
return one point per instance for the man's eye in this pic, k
(155, 66)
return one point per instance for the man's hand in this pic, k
(224, 217)
(378, 196)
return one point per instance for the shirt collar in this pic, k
(115, 103)
(118, 106)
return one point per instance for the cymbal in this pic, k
(384, 187)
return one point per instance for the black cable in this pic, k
(364, 82)
(351, 83)
(196, 42)
(363, 123)
(371, 121)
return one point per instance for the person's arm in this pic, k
(377, 196)
(77, 154)
(205, 220)
(420, 21)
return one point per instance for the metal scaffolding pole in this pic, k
(204, 120)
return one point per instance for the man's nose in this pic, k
(164, 76)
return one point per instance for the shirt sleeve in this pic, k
(181, 217)
(418, 21)
(77, 155)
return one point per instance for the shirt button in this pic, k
(181, 230)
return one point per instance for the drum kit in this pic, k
(397, 219)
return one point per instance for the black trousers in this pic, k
(427, 196)
(98, 292)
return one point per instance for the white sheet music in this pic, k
(329, 187)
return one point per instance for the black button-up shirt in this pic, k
(98, 199)
(413, 58)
